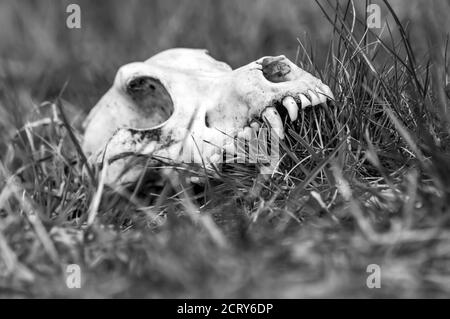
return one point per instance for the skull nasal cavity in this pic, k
(275, 70)
(207, 120)
(150, 98)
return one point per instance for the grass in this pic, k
(364, 181)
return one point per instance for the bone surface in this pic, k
(183, 106)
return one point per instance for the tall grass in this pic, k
(363, 181)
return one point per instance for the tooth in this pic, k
(271, 115)
(246, 133)
(314, 97)
(216, 158)
(322, 96)
(291, 106)
(230, 151)
(327, 91)
(255, 126)
(266, 170)
(305, 101)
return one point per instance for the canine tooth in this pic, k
(327, 91)
(271, 115)
(291, 106)
(305, 101)
(314, 97)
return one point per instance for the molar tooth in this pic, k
(216, 158)
(314, 97)
(291, 106)
(255, 125)
(245, 133)
(273, 118)
(321, 94)
(248, 132)
(304, 100)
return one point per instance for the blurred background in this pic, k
(38, 53)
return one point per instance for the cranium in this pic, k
(180, 104)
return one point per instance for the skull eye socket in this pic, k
(141, 86)
(151, 99)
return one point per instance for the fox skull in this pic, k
(183, 106)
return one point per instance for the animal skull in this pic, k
(183, 106)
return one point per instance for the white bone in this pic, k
(182, 106)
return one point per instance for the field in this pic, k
(364, 181)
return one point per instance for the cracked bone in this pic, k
(183, 106)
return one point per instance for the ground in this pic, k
(363, 182)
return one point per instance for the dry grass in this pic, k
(364, 181)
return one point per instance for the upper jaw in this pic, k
(265, 88)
